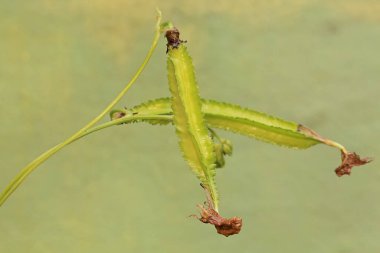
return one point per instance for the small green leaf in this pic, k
(226, 147)
(220, 162)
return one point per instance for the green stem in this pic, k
(126, 119)
(43, 157)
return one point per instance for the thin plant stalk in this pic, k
(28, 169)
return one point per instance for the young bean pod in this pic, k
(195, 143)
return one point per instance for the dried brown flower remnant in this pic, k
(117, 115)
(349, 160)
(223, 225)
(173, 39)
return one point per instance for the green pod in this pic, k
(261, 126)
(243, 121)
(195, 143)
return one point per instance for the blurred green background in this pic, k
(127, 189)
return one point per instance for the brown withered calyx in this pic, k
(172, 36)
(349, 160)
(224, 226)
